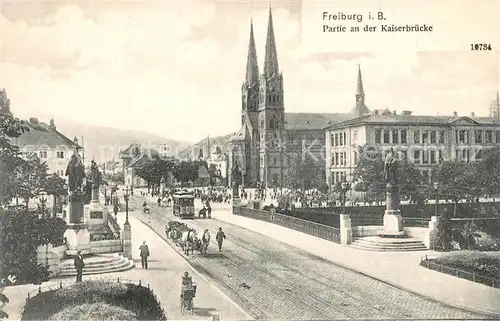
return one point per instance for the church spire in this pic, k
(271, 59)
(252, 75)
(359, 90)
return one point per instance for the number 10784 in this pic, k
(480, 47)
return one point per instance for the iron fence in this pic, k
(315, 229)
(471, 276)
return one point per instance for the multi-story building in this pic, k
(48, 144)
(423, 140)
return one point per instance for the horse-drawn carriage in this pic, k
(187, 238)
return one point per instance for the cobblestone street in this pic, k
(273, 280)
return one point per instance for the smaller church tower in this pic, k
(360, 109)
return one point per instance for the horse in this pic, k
(205, 239)
(188, 241)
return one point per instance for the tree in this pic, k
(457, 180)
(114, 178)
(153, 169)
(55, 186)
(30, 178)
(186, 171)
(369, 174)
(304, 174)
(10, 155)
(214, 173)
(488, 170)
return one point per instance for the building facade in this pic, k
(269, 139)
(51, 146)
(425, 141)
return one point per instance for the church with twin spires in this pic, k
(269, 138)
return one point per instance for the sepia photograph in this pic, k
(249, 160)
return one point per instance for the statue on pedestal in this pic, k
(390, 167)
(75, 172)
(95, 177)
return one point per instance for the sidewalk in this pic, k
(166, 268)
(400, 269)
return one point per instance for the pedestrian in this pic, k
(115, 210)
(144, 255)
(79, 265)
(220, 237)
(159, 201)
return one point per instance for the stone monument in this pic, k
(236, 181)
(77, 234)
(97, 213)
(393, 221)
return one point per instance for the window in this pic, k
(341, 139)
(60, 154)
(403, 155)
(345, 158)
(416, 157)
(425, 157)
(433, 157)
(336, 159)
(355, 157)
(416, 136)
(336, 139)
(274, 161)
(425, 137)
(395, 139)
(386, 137)
(433, 137)
(378, 136)
(497, 134)
(403, 136)
(478, 155)
(461, 137)
(440, 157)
(43, 154)
(488, 137)
(345, 139)
(342, 159)
(478, 136)
(425, 175)
(441, 137)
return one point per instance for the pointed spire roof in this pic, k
(271, 59)
(359, 89)
(252, 74)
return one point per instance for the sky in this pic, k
(175, 68)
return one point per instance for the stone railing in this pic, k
(51, 256)
(315, 229)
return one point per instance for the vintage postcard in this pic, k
(249, 160)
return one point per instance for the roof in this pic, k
(239, 136)
(312, 121)
(130, 152)
(144, 156)
(193, 150)
(41, 134)
(403, 119)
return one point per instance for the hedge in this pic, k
(95, 311)
(134, 298)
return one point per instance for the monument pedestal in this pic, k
(393, 221)
(78, 239)
(77, 234)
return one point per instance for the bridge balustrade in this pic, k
(315, 229)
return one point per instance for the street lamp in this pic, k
(126, 197)
(344, 187)
(436, 188)
(42, 197)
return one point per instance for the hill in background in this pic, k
(104, 143)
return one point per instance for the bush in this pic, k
(482, 263)
(96, 311)
(137, 299)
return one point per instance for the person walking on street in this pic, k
(79, 265)
(115, 210)
(220, 237)
(144, 255)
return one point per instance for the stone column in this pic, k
(95, 194)
(75, 208)
(345, 229)
(127, 241)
